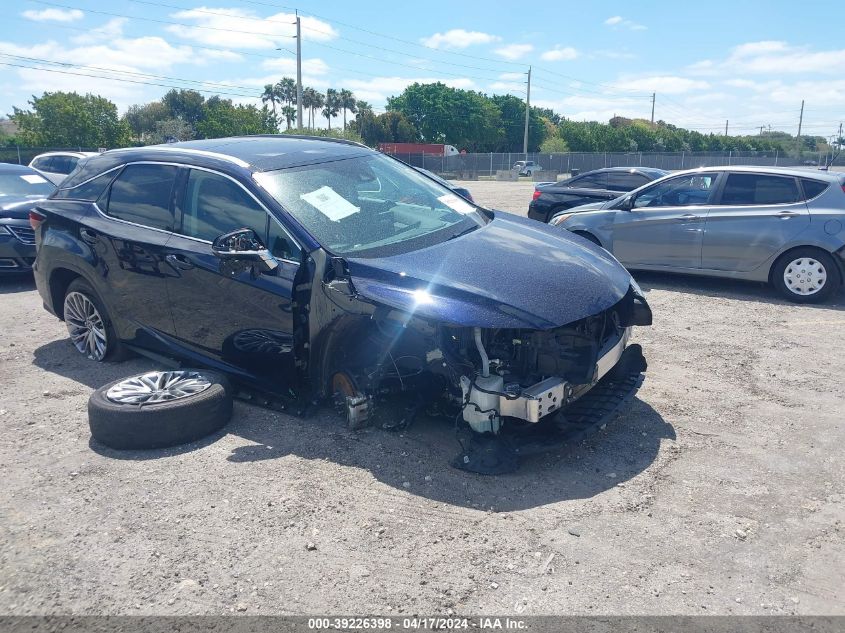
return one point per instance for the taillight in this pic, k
(843, 188)
(537, 194)
(35, 219)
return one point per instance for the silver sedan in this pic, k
(783, 226)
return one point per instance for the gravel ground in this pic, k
(718, 491)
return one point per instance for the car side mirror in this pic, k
(627, 204)
(244, 245)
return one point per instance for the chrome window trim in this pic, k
(197, 152)
(189, 237)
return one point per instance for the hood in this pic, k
(18, 207)
(511, 273)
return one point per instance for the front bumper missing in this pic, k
(549, 395)
(494, 455)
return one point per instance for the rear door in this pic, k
(756, 214)
(240, 317)
(665, 226)
(127, 232)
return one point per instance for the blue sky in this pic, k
(748, 62)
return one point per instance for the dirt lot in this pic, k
(719, 491)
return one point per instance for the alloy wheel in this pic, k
(158, 386)
(86, 326)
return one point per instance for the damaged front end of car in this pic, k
(376, 341)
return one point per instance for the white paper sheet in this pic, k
(456, 203)
(330, 203)
(34, 179)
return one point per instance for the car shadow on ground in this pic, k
(726, 289)
(14, 283)
(416, 459)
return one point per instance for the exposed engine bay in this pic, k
(489, 377)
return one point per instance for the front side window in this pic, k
(370, 206)
(682, 191)
(215, 205)
(590, 181)
(142, 194)
(751, 189)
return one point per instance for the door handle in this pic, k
(687, 217)
(178, 261)
(785, 215)
(88, 235)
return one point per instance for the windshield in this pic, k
(25, 184)
(370, 206)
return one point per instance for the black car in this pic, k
(319, 267)
(20, 189)
(593, 186)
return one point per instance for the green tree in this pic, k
(270, 95)
(222, 118)
(331, 105)
(347, 101)
(142, 119)
(554, 145)
(186, 105)
(513, 124)
(68, 119)
(442, 114)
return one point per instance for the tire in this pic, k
(806, 275)
(73, 304)
(128, 426)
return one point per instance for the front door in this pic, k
(755, 216)
(665, 225)
(238, 316)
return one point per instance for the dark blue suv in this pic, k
(322, 268)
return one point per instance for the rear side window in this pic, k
(42, 163)
(746, 189)
(88, 191)
(590, 181)
(63, 164)
(625, 181)
(142, 194)
(812, 188)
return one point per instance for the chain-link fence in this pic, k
(473, 166)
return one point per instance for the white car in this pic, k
(526, 167)
(57, 165)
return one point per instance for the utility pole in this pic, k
(800, 122)
(527, 113)
(761, 129)
(653, 97)
(726, 127)
(298, 73)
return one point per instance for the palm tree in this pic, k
(364, 108)
(289, 112)
(331, 105)
(319, 100)
(347, 102)
(307, 102)
(286, 94)
(270, 94)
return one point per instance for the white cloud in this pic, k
(458, 38)
(56, 15)
(774, 58)
(666, 83)
(108, 31)
(239, 28)
(505, 86)
(286, 66)
(377, 90)
(512, 76)
(559, 53)
(514, 51)
(619, 21)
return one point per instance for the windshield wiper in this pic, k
(463, 232)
